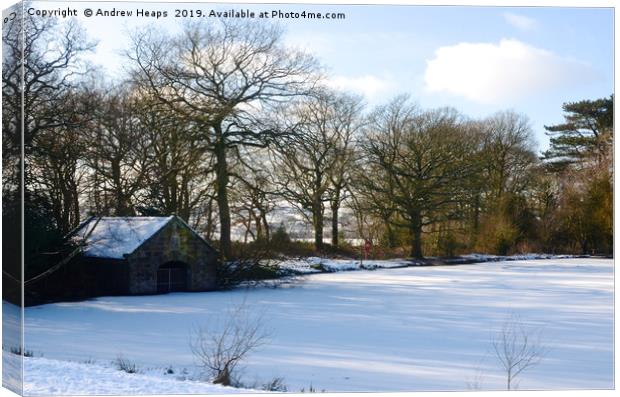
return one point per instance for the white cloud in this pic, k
(520, 21)
(498, 73)
(367, 85)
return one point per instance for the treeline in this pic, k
(222, 124)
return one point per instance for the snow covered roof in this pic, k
(113, 237)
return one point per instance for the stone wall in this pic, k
(175, 242)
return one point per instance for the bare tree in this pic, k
(499, 211)
(56, 160)
(41, 66)
(421, 160)
(517, 349)
(120, 151)
(313, 163)
(224, 342)
(348, 114)
(181, 177)
(509, 153)
(253, 196)
(374, 209)
(41, 63)
(223, 76)
(476, 381)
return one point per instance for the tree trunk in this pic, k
(75, 205)
(584, 246)
(222, 195)
(474, 236)
(335, 208)
(317, 217)
(248, 230)
(121, 206)
(416, 234)
(390, 235)
(259, 225)
(509, 379)
(209, 227)
(265, 225)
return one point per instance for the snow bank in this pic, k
(481, 258)
(45, 377)
(318, 265)
(312, 265)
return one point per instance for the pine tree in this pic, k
(586, 134)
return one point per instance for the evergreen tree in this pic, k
(581, 151)
(587, 133)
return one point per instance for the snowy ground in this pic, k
(400, 329)
(318, 265)
(71, 378)
(11, 340)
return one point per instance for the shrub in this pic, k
(311, 389)
(280, 237)
(18, 351)
(223, 343)
(237, 271)
(276, 384)
(122, 364)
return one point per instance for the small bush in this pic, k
(276, 384)
(311, 389)
(222, 344)
(449, 244)
(280, 237)
(245, 269)
(122, 364)
(18, 351)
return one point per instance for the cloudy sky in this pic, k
(476, 59)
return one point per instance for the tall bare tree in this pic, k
(223, 76)
(371, 200)
(509, 153)
(181, 176)
(41, 61)
(347, 111)
(41, 65)
(313, 163)
(501, 214)
(57, 166)
(425, 156)
(119, 152)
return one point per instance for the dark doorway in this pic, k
(172, 277)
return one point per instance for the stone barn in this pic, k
(142, 255)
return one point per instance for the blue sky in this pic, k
(477, 59)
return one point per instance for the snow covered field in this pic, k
(400, 329)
